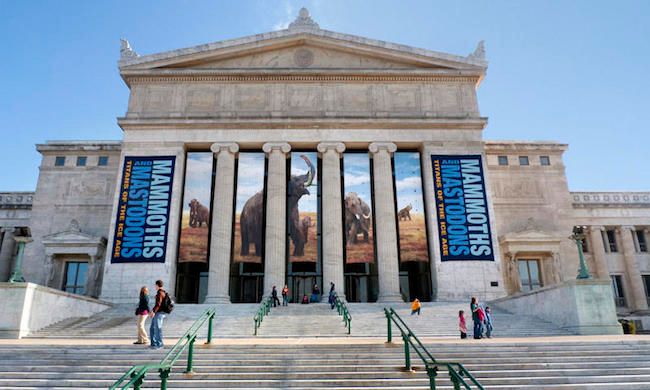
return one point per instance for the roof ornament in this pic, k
(74, 226)
(125, 50)
(303, 21)
(479, 52)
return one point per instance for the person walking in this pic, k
(274, 296)
(158, 314)
(475, 308)
(332, 297)
(141, 313)
(488, 322)
(462, 325)
(415, 306)
(315, 293)
(285, 296)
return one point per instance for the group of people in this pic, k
(482, 319)
(162, 307)
(315, 296)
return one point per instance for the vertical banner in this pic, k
(461, 202)
(196, 217)
(142, 220)
(359, 235)
(249, 209)
(302, 207)
(413, 244)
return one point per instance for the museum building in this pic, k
(308, 157)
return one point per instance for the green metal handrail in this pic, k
(342, 309)
(457, 372)
(136, 374)
(264, 310)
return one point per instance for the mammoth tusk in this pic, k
(312, 170)
(366, 216)
(356, 216)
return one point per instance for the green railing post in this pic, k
(432, 371)
(407, 352)
(390, 329)
(190, 354)
(138, 382)
(454, 379)
(210, 329)
(164, 374)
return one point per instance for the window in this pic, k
(544, 160)
(102, 161)
(646, 284)
(617, 287)
(75, 277)
(611, 240)
(59, 161)
(640, 237)
(523, 160)
(81, 161)
(503, 160)
(529, 275)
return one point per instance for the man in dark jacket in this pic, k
(274, 295)
(158, 313)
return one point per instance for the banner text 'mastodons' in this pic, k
(463, 219)
(143, 212)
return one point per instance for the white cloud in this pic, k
(288, 16)
(353, 178)
(411, 182)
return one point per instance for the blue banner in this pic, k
(142, 220)
(461, 203)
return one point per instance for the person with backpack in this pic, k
(285, 296)
(416, 306)
(164, 306)
(475, 309)
(141, 313)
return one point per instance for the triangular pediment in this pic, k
(532, 236)
(71, 236)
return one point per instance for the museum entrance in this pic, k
(246, 282)
(301, 278)
(361, 283)
(415, 280)
(191, 282)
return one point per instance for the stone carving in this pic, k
(557, 268)
(479, 52)
(303, 21)
(74, 226)
(303, 58)
(125, 50)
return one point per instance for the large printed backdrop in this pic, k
(196, 216)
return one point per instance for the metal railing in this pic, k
(136, 374)
(264, 310)
(343, 311)
(457, 372)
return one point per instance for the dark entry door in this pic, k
(251, 289)
(301, 286)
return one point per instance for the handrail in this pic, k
(263, 310)
(135, 375)
(342, 309)
(457, 372)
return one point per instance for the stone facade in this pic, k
(305, 88)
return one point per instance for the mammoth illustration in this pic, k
(405, 213)
(357, 217)
(252, 215)
(199, 214)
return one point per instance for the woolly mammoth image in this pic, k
(410, 215)
(357, 213)
(302, 204)
(249, 209)
(195, 224)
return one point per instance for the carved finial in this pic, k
(74, 226)
(303, 21)
(479, 52)
(125, 50)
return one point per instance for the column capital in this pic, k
(219, 147)
(376, 147)
(283, 147)
(596, 228)
(324, 147)
(622, 228)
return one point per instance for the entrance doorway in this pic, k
(246, 282)
(415, 280)
(361, 284)
(191, 282)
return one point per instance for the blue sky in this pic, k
(571, 71)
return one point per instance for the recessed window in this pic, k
(640, 237)
(646, 284)
(544, 160)
(529, 274)
(59, 161)
(611, 240)
(617, 287)
(503, 160)
(75, 277)
(102, 161)
(523, 160)
(81, 161)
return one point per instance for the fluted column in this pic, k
(332, 214)
(598, 251)
(276, 215)
(639, 301)
(221, 224)
(6, 252)
(385, 222)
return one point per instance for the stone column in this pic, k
(221, 224)
(6, 253)
(638, 301)
(332, 214)
(17, 272)
(276, 216)
(385, 221)
(598, 251)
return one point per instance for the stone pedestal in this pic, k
(332, 214)
(598, 251)
(221, 224)
(638, 299)
(276, 216)
(385, 222)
